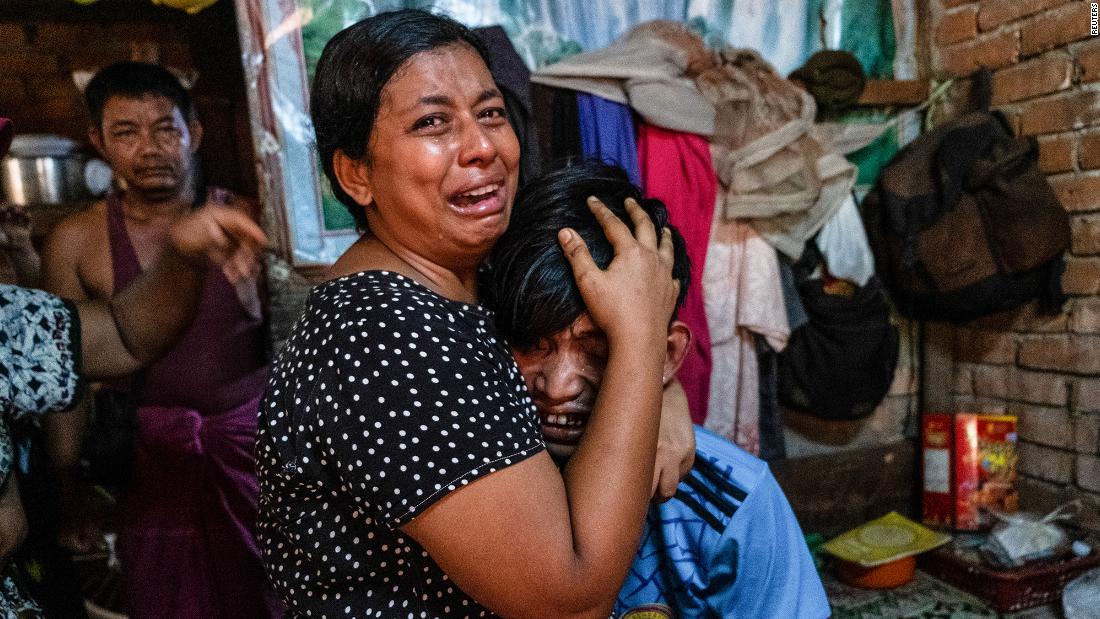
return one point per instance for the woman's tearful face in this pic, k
(443, 159)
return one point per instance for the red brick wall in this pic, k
(38, 56)
(1044, 369)
(36, 85)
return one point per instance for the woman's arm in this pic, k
(527, 541)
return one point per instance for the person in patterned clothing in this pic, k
(49, 345)
(727, 544)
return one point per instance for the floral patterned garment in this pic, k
(39, 359)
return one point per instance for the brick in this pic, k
(1086, 395)
(987, 406)
(1046, 462)
(12, 92)
(66, 36)
(1078, 193)
(53, 87)
(1078, 354)
(991, 380)
(28, 62)
(1050, 73)
(1023, 320)
(1039, 388)
(995, 51)
(1084, 317)
(11, 36)
(1082, 276)
(993, 13)
(1055, 27)
(1088, 151)
(964, 380)
(957, 26)
(1060, 113)
(1088, 472)
(1086, 235)
(985, 347)
(1056, 153)
(1086, 433)
(1088, 61)
(1048, 426)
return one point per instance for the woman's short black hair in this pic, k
(135, 80)
(355, 67)
(528, 281)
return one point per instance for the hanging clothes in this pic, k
(557, 126)
(513, 78)
(771, 167)
(843, 244)
(607, 133)
(650, 68)
(743, 295)
(676, 169)
(773, 445)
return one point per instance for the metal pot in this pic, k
(42, 169)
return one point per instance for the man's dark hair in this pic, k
(355, 67)
(529, 282)
(135, 80)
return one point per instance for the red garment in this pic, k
(185, 539)
(676, 169)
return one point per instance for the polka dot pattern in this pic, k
(386, 398)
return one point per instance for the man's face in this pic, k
(148, 143)
(563, 374)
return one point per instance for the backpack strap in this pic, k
(983, 89)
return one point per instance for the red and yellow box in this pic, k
(969, 466)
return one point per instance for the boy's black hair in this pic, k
(352, 72)
(529, 282)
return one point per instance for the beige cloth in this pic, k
(743, 296)
(771, 167)
(651, 68)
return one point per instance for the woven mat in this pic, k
(923, 598)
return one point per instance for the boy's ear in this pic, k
(679, 338)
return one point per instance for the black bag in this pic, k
(107, 451)
(840, 364)
(963, 223)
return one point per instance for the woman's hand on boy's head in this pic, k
(632, 300)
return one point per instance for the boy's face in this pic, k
(564, 372)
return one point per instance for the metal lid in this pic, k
(41, 145)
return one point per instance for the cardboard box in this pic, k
(969, 466)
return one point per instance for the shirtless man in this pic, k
(727, 543)
(188, 509)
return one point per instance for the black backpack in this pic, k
(963, 223)
(840, 364)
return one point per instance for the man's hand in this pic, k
(16, 246)
(675, 443)
(221, 235)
